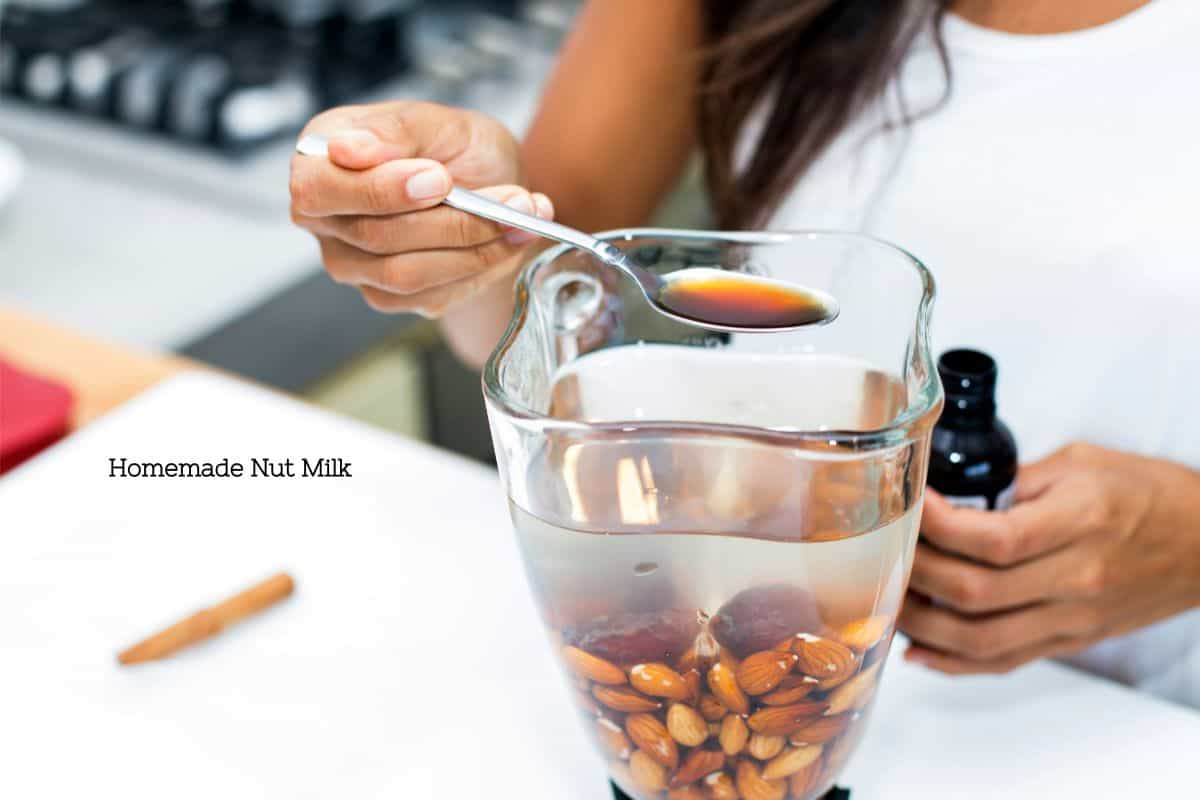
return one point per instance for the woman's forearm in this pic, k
(612, 136)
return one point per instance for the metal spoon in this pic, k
(673, 294)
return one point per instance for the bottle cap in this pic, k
(969, 381)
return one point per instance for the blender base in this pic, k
(836, 793)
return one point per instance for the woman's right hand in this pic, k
(375, 203)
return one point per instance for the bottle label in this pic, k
(1003, 501)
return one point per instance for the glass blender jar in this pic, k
(718, 528)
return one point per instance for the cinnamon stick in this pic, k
(210, 621)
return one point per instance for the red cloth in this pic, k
(34, 414)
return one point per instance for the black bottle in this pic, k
(973, 458)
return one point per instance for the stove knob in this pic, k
(92, 72)
(45, 77)
(141, 91)
(191, 109)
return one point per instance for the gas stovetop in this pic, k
(232, 74)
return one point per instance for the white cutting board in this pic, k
(409, 663)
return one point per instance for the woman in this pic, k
(1040, 155)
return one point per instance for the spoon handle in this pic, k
(480, 206)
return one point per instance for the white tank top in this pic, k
(1056, 198)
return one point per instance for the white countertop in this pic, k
(410, 662)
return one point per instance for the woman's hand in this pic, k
(1098, 543)
(374, 204)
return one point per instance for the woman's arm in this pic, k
(613, 134)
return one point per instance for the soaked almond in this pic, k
(720, 786)
(827, 661)
(659, 680)
(593, 667)
(752, 785)
(791, 689)
(763, 671)
(791, 761)
(764, 747)
(652, 737)
(696, 765)
(863, 634)
(734, 735)
(686, 726)
(648, 774)
(723, 684)
(785, 720)
(622, 698)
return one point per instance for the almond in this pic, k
(697, 764)
(711, 708)
(784, 645)
(854, 693)
(830, 662)
(765, 747)
(694, 681)
(593, 667)
(822, 729)
(613, 739)
(686, 793)
(733, 735)
(791, 761)
(803, 784)
(658, 680)
(686, 726)
(649, 734)
(762, 672)
(720, 786)
(723, 683)
(714, 729)
(726, 657)
(863, 634)
(753, 786)
(622, 698)
(647, 773)
(785, 720)
(790, 690)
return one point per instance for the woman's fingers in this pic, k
(435, 301)
(410, 273)
(320, 188)
(991, 637)
(440, 227)
(1003, 538)
(975, 587)
(958, 665)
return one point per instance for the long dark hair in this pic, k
(815, 64)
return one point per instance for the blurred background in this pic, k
(144, 149)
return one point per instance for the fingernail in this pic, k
(428, 184)
(545, 209)
(522, 203)
(355, 139)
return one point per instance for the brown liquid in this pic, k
(741, 302)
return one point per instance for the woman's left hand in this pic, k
(1098, 543)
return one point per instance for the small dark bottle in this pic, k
(973, 458)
